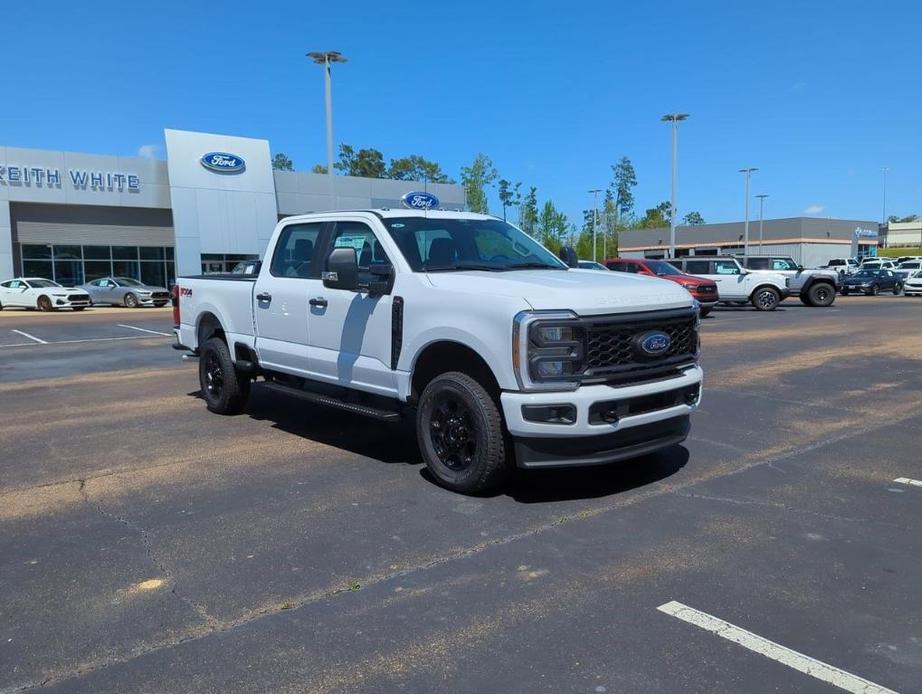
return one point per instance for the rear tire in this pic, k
(897, 288)
(766, 298)
(875, 290)
(461, 434)
(131, 301)
(224, 390)
(44, 304)
(821, 294)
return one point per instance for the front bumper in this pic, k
(70, 301)
(585, 442)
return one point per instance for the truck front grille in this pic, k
(612, 351)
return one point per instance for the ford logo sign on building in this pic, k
(420, 201)
(654, 343)
(222, 162)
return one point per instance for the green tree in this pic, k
(280, 162)
(656, 217)
(623, 186)
(693, 218)
(368, 163)
(475, 179)
(893, 219)
(528, 212)
(552, 226)
(509, 195)
(416, 168)
(319, 168)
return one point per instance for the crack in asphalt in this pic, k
(146, 542)
(214, 626)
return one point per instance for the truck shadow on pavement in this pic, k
(396, 443)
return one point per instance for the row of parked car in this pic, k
(765, 281)
(36, 293)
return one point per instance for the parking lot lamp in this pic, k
(595, 205)
(748, 171)
(761, 198)
(673, 118)
(327, 58)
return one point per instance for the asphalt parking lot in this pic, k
(148, 545)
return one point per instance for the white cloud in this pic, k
(814, 209)
(148, 151)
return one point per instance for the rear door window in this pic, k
(697, 267)
(726, 267)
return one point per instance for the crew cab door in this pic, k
(350, 332)
(281, 294)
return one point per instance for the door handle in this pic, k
(318, 302)
(264, 296)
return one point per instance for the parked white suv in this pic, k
(502, 353)
(736, 284)
(813, 287)
(844, 266)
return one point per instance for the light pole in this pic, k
(595, 206)
(327, 58)
(761, 198)
(673, 118)
(884, 171)
(748, 172)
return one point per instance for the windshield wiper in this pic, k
(534, 266)
(463, 265)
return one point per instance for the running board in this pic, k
(330, 401)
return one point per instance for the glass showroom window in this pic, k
(68, 265)
(36, 260)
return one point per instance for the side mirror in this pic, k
(568, 255)
(342, 271)
(800, 268)
(383, 274)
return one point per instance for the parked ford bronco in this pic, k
(814, 287)
(736, 284)
(503, 354)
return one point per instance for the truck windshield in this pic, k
(445, 245)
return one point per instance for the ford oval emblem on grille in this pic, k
(222, 162)
(653, 343)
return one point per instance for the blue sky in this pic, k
(818, 95)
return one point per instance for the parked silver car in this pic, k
(125, 291)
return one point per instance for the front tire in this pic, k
(766, 298)
(875, 290)
(897, 288)
(131, 301)
(79, 308)
(460, 434)
(223, 389)
(44, 304)
(703, 312)
(821, 294)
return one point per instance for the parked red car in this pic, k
(705, 291)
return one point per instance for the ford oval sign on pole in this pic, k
(420, 201)
(222, 162)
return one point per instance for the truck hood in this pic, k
(587, 292)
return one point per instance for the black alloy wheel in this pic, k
(224, 390)
(461, 434)
(452, 432)
(821, 294)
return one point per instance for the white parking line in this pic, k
(72, 342)
(31, 337)
(143, 330)
(770, 649)
(906, 480)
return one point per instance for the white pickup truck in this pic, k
(504, 354)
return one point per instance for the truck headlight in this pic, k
(548, 350)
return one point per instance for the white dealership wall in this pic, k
(217, 212)
(211, 212)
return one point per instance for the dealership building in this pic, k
(214, 201)
(811, 241)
